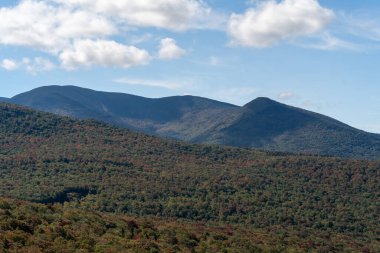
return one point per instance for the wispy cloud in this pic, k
(37, 64)
(349, 31)
(33, 66)
(361, 25)
(328, 42)
(137, 39)
(234, 95)
(9, 64)
(214, 61)
(285, 95)
(167, 84)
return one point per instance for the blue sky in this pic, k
(320, 55)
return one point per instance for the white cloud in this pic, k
(137, 39)
(285, 95)
(9, 64)
(78, 24)
(72, 29)
(271, 22)
(177, 15)
(171, 85)
(170, 50)
(327, 41)
(37, 64)
(364, 26)
(33, 66)
(103, 53)
(349, 31)
(49, 28)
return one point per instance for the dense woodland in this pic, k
(28, 227)
(233, 199)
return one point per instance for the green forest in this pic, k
(83, 186)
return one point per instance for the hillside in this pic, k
(28, 227)
(269, 125)
(325, 204)
(182, 117)
(262, 123)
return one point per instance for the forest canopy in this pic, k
(296, 201)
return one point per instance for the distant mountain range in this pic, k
(262, 123)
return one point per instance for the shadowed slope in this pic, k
(266, 124)
(262, 123)
(180, 117)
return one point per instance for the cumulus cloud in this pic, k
(177, 15)
(9, 64)
(170, 50)
(271, 21)
(104, 53)
(81, 32)
(48, 28)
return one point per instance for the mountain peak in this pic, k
(261, 103)
(263, 99)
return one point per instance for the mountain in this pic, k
(4, 99)
(182, 117)
(291, 203)
(262, 123)
(269, 125)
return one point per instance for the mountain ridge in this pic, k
(262, 123)
(2, 99)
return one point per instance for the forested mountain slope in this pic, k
(326, 204)
(182, 117)
(30, 227)
(269, 125)
(262, 123)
